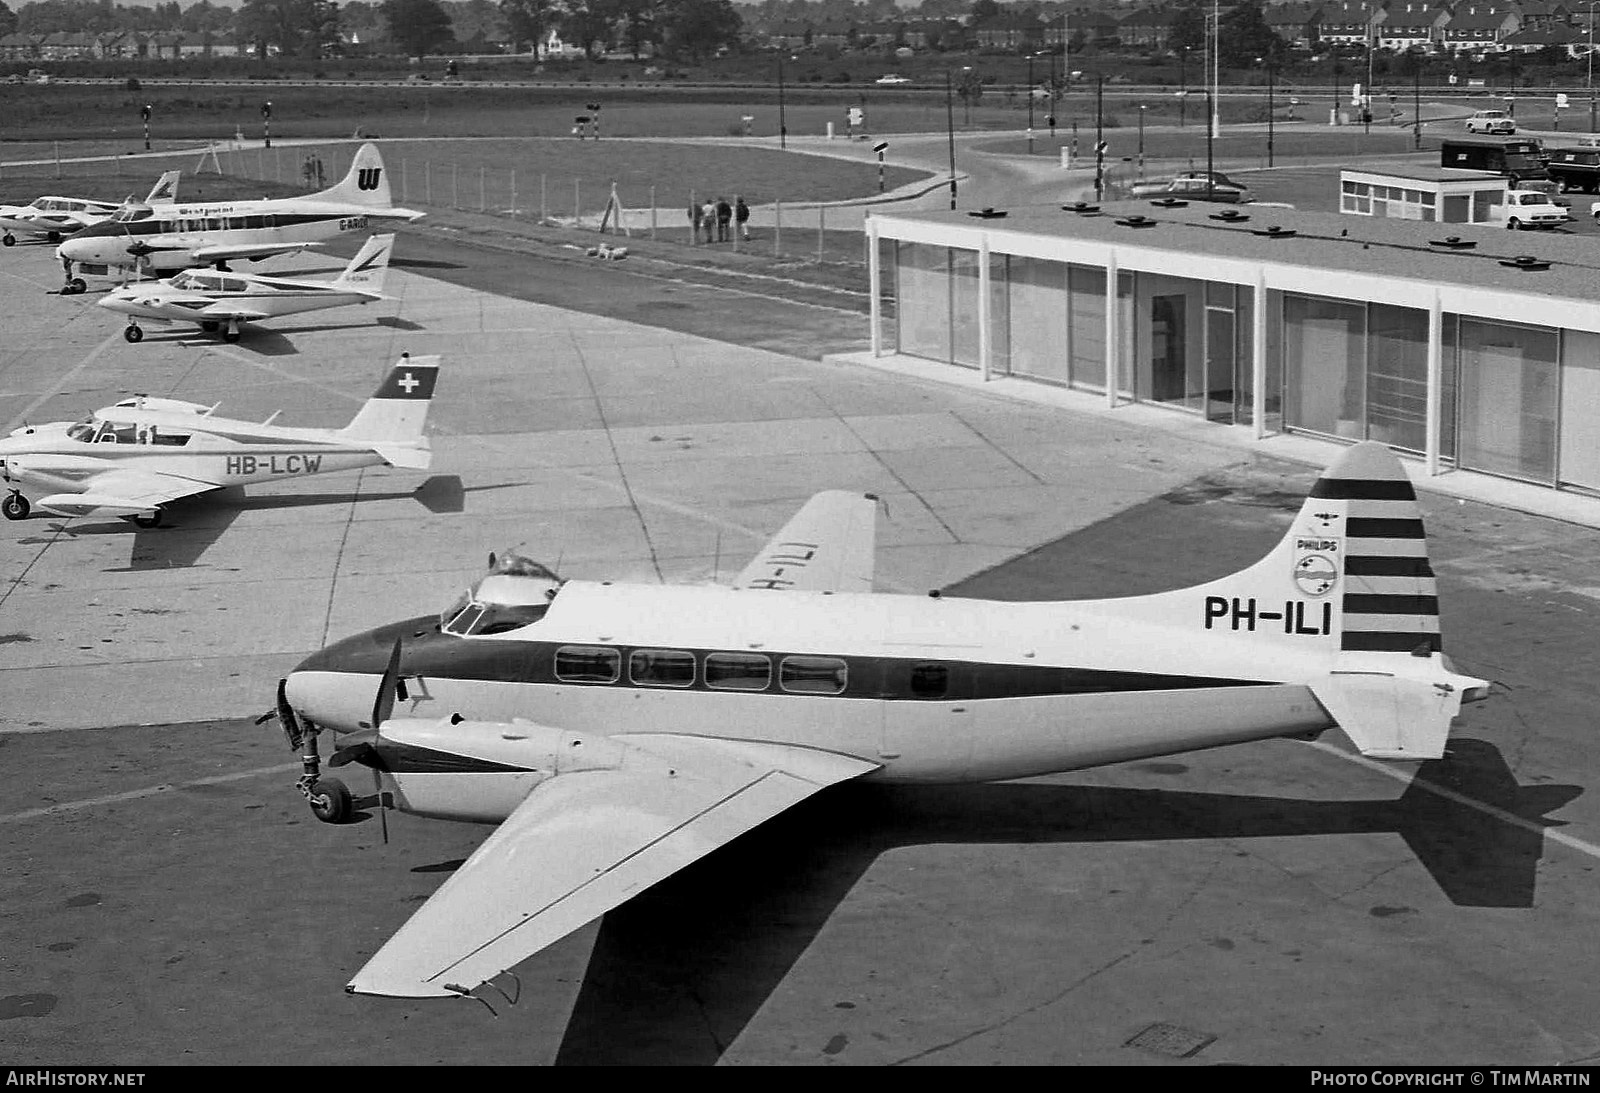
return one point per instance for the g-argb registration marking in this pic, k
(1245, 614)
(273, 464)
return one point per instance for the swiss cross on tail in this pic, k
(409, 381)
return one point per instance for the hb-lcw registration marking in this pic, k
(271, 464)
(1245, 615)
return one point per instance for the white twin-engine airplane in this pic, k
(133, 458)
(54, 217)
(149, 240)
(213, 300)
(617, 732)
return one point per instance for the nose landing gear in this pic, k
(74, 285)
(15, 506)
(330, 799)
(133, 333)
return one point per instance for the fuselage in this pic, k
(933, 689)
(175, 237)
(54, 215)
(212, 297)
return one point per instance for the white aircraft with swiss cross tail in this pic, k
(223, 302)
(617, 732)
(134, 458)
(149, 240)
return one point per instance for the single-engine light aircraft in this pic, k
(55, 217)
(217, 301)
(133, 458)
(149, 240)
(618, 732)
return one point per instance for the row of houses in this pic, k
(114, 45)
(1463, 26)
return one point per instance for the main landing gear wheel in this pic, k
(151, 521)
(9, 240)
(15, 507)
(74, 286)
(54, 237)
(230, 336)
(210, 326)
(331, 801)
(134, 333)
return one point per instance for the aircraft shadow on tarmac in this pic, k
(677, 972)
(192, 525)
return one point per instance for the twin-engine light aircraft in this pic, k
(217, 301)
(132, 459)
(618, 732)
(150, 240)
(54, 217)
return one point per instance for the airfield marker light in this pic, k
(266, 123)
(881, 147)
(144, 113)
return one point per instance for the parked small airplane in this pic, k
(213, 300)
(54, 217)
(618, 732)
(133, 458)
(148, 241)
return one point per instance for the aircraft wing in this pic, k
(222, 312)
(825, 547)
(221, 252)
(584, 842)
(123, 492)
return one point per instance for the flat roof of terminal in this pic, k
(1424, 172)
(1334, 241)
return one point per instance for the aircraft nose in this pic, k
(341, 701)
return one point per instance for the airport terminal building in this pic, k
(1473, 347)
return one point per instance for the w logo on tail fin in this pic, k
(367, 178)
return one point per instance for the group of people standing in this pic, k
(719, 217)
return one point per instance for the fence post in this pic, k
(541, 199)
(822, 220)
(652, 212)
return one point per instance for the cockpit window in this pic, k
(83, 430)
(129, 214)
(494, 618)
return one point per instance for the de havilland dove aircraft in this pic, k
(217, 301)
(151, 240)
(133, 458)
(618, 732)
(54, 217)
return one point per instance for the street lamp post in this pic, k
(783, 120)
(1216, 63)
(950, 131)
(1269, 112)
(1030, 104)
(1183, 84)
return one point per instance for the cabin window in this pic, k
(930, 680)
(462, 622)
(812, 675)
(738, 671)
(661, 668)
(588, 664)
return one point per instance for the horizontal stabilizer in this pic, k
(1391, 717)
(417, 457)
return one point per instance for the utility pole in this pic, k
(950, 130)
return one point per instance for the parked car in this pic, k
(1195, 186)
(1528, 209)
(892, 79)
(1491, 121)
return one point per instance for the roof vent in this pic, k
(988, 213)
(1525, 261)
(1168, 203)
(1082, 208)
(1453, 242)
(1274, 231)
(1230, 216)
(1138, 222)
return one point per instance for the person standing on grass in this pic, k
(741, 214)
(694, 220)
(724, 217)
(708, 217)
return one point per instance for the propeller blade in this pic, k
(383, 704)
(287, 719)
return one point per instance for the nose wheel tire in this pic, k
(15, 507)
(74, 286)
(331, 801)
(134, 333)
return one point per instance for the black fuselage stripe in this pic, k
(400, 758)
(1362, 603)
(1368, 527)
(1359, 565)
(1363, 489)
(1388, 641)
